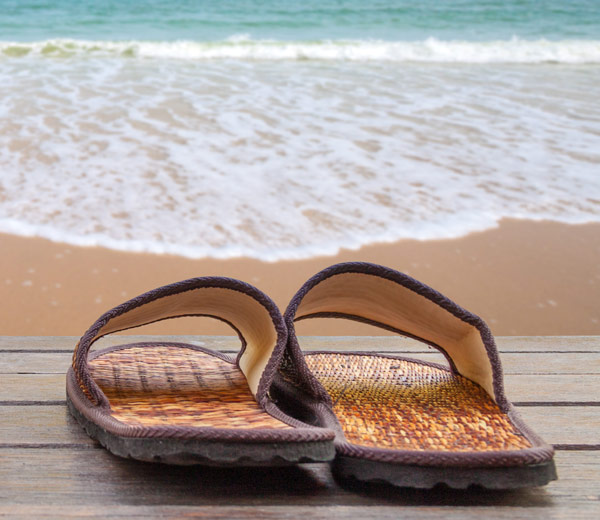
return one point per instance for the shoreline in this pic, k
(522, 278)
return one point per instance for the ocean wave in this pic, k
(293, 160)
(457, 226)
(241, 47)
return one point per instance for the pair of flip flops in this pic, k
(378, 417)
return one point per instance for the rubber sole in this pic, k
(207, 453)
(424, 477)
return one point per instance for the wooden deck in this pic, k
(49, 468)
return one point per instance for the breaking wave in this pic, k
(241, 47)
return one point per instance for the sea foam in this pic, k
(289, 159)
(242, 47)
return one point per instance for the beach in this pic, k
(142, 143)
(523, 278)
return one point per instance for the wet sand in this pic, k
(523, 278)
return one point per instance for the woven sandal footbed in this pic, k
(155, 385)
(399, 404)
(396, 404)
(176, 388)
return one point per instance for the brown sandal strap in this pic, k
(251, 313)
(394, 301)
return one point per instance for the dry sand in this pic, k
(524, 278)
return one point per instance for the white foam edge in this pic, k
(324, 249)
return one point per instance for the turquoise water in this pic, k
(290, 129)
(209, 20)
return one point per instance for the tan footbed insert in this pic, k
(387, 302)
(403, 405)
(243, 311)
(169, 385)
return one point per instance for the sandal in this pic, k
(184, 404)
(406, 422)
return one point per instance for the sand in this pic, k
(523, 278)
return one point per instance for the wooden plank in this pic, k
(18, 343)
(95, 483)
(552, 389)
(67, 343)
(519, 388)
(504, 343)
(39, 425)
(587, 510)
(35, 362)
(342, 343)
(513, 363)
(560, 425)
(548, 343)
(32, 387)
(531, 363)
(564, 425)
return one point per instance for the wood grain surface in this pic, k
(49, 467)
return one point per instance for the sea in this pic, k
(289, 129)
